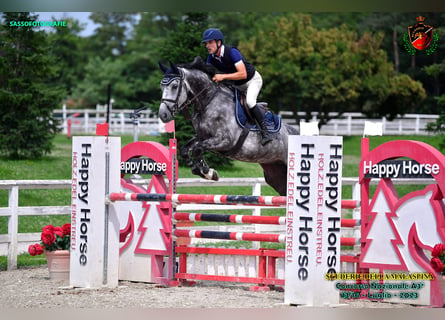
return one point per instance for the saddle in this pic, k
(246, 120)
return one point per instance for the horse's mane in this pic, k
(199, 64)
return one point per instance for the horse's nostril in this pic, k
(164, 116)
(164, 113)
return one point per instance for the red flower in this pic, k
(437, 264)
(48, 238)
(438, 250)
(66, 229)
(35, 249)
(39, 249)
(58, 231)
(32, 250)
(49, 228)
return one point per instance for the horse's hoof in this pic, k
(215, 175)
(212, 174)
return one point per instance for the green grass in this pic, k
(57, 166)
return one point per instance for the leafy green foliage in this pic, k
(27, 96)
(103, 72)
(328, 70)
(109, 63)
(435, 70)
(110, 37)
(70, 54)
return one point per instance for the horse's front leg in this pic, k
(189, 160)
(216, 143)
(205, 172)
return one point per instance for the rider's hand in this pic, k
(218, 77)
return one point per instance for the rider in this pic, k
(230, 61)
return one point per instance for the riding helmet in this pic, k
(212, 34)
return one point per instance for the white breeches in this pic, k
(252, 89)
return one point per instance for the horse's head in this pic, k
(179, 83)
(173, 94)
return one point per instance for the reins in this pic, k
(189, 101)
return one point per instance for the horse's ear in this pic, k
(174, 68)
(163, 68)
(197, 61)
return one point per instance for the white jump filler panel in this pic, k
(313, 219)
(94, 259)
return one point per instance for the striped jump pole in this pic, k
(240, 236)
(273, 201)
(201, 198)
(233, 218)
(236, 218)
(223, 235)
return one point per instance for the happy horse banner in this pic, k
(146, 227)
(313, 219)
(94, 254)
(398, 233)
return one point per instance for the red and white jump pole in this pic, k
(273, 201)
(240, 236)
(233, 218)
(223, 235)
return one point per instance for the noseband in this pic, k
(175, 107)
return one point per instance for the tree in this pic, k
(329, 71)
(133, 75)
(101, 72)
(112, 34)
(143, 55)
(395, 26)
(68, 48)
(27, 95)
(183, 43)
(237, 26)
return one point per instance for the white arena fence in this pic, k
(76, 121)
(14, 243)
(83, 121)
(352, 124)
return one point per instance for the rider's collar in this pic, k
(222, 50)
(221, 53)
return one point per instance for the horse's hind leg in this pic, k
(275, 175)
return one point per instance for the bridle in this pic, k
(175, 108)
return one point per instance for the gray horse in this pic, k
(216, 126)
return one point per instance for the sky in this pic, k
(81, 16)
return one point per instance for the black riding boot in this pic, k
(259, 117)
